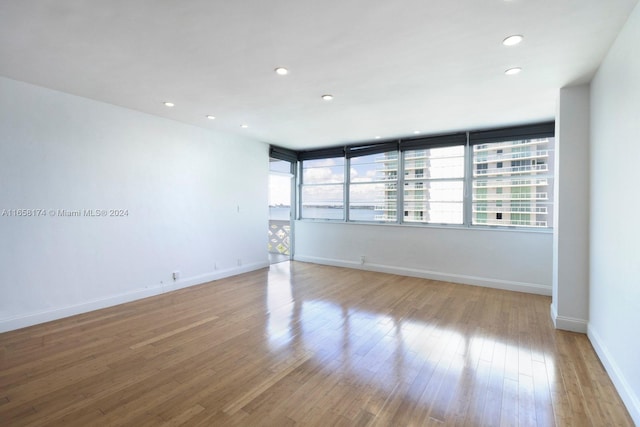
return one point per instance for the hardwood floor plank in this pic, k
(254, 392)
(509, 414)
(172, 333)
(542, 395)
(493, 399)
(303, 344)
(437, 398)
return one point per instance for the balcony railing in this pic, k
(512, 170)
(506, 157)
(497, 183)
(512, 196)
(386, 207)
(279, 232)
(504, 146)
(512, 210)
(516, 223)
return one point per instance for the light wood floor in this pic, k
(302, 344)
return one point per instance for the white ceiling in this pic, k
(392, 66)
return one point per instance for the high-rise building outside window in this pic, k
(434, 185)
(373, 187)
(513, 183)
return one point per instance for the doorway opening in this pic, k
(280, 202)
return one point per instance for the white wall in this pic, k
(614, 309)
(181, 185)
(515, 260)
(570, 306)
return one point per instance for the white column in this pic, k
(570, 304)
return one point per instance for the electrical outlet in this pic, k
(239, 262)
(176, 275)
(215, 265)
(362, 259)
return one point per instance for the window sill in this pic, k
(435, 226)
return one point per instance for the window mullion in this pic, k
(347, 188)
(300, 187)
(400, 191)
(468, 184)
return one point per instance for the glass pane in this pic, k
(434, 212)
(513, 183)
(323, 202)
(513, 158)
(373, 202)
(323, 171)
(434, 163)
(513, 213)
(375, 167)
(279, 166)
(439, 191)
(514, 188)
(438, 202)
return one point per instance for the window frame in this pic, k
(302, 186)
(528, 202)
(429, 180)
(387, 149)
(511, 134)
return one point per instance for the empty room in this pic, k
(304, 213)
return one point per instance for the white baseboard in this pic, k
(22, 321)
(532, 288)
(630, 399)
(216, 275)
(568, 323)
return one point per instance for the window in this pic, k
(373, 187)
(434, 185)
(521, 191)
(497, 177)
(322, 193)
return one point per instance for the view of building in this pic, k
(434, 185)
(513, 183)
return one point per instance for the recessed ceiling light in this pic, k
(210, 117)
(168, 104)
(512, 40)
(327, 97)
(244, 126)
(513, 71)
(282, 71)
(377, 137)
(416, 132)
